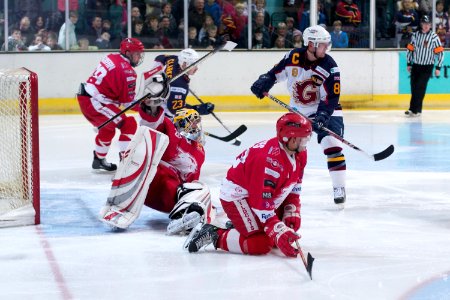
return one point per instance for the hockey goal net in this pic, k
(19, 148)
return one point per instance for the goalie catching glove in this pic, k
(282, 236)
(193, 206)
(155, 88)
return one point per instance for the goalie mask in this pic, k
(317, 35)
(293, 125)
(188, 124)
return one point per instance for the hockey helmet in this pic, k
(293, 125)
(132, 45)
(188, 124)
(425, 19)
(188, 56)
(317, 35)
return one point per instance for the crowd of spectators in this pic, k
(102, 24)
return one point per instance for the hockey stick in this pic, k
(233, 135)
(227, 46)
(376, 157)
(237, 142)
(307, 263)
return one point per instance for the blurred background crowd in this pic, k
(46, 25)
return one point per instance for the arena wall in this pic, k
(370, 79)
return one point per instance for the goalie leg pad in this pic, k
(133, 177)
(194, 199)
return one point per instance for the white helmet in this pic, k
(317, 35)
(188, 56)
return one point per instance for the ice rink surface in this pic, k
(392, 241)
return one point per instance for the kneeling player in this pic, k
(261, 195)
(165, 177)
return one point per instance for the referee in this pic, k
(424, 47)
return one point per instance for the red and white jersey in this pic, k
(266, 176)
(113, 81)
(184, 155)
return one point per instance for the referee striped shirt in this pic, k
(424, 48)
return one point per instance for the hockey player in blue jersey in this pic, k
(313, 82)
(172, 65)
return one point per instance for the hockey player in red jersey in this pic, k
(173, 187)
(261, 195)
(172, 65)
(314, 84)
(111, 85)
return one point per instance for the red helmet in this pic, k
(132, 45)
(292, 125)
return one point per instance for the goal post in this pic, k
(19, 148)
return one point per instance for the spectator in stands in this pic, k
(94, 31)
(15, 42)
(197, 14)
(258, 25)
(442, 23)
(26, 30)
(118, 17)
(83, 44)
(138, 29)
(72, 37)
(384, 17)
(151, 36)
(193, 41)
(166, 36)
(260, 7)
(348, 13)
(214, 10)
(321, 16)
(297, 39)
(280, 43)
(339, 38)
(204, 30)
(38, 24)
(52, 41)
(406, 21)
(135, 14)
(38, 44)
(240, 21)
(166, 11)
(153, 7)
(280, 31)
(212, 40)
(104, 42)
(258, 41)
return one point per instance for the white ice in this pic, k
(392, 241)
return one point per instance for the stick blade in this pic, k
(384, 154)
(309, 265)
(229, 46)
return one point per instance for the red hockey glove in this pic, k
(291, 217)
(282, 236)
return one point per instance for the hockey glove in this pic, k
(264, 83)
(204, 108)
(282, 236)
(320, 121)
(291, 217)
(157, 90)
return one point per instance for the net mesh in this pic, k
(16, 184)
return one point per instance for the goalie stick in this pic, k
(376, 157)
(237, 142)
(226, 46)
(308, 263)
(233, 135)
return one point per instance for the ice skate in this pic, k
(102, 164)
(339, 196)
(410, 114)
(202, 236)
